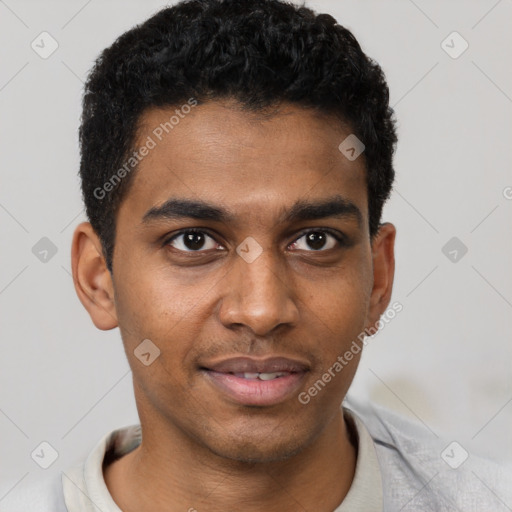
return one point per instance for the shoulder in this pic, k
(421, 471)
(42, 495)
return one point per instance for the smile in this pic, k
(253, 382)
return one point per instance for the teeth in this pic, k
(270, 376)
(261, 376)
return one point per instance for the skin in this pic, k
(200, 449)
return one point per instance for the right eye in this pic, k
(192, 240)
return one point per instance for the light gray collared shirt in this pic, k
(400, 466)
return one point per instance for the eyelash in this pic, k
(341, 239)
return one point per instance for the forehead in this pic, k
(250, 163)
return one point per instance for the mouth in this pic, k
(254, 382)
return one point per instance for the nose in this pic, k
(259, 295)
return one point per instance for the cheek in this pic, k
(341, 302)
(338, 317)
(153, 307)
(149, 300)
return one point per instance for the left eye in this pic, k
(192, 241)
(316, 240)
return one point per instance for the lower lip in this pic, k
(256, 391)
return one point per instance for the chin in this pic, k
(251, 448)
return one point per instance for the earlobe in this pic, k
(91, 277)
(383, 254)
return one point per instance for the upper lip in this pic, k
(251, 365)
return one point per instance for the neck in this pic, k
(177, 476)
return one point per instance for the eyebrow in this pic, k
(174, 208)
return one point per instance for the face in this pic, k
(242, 252)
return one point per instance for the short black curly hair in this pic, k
(258, 52)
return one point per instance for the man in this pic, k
(236, 156)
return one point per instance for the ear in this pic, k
(383, 255)
(92, 279)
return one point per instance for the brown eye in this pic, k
(318, 240)
(192, 241)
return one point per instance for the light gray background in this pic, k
(445, 360)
